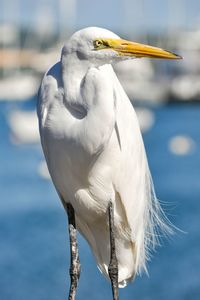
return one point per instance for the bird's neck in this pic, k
(73, 73)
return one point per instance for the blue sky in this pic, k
(126, 15)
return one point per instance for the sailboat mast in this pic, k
(67, 14)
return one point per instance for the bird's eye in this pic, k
(97, 43)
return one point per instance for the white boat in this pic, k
(139, 81)
(24, 127)
(19, 88)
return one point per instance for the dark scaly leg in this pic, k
(75, 267)
(113, 266)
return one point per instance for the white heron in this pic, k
(95, 154)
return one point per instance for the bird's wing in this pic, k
(132, 179)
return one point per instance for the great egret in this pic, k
(95, 154)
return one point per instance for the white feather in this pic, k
(95, 153)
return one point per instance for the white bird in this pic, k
(95, 154)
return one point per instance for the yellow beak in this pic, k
(132, 49)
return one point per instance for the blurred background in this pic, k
(34, 250)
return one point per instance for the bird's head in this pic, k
(100, 46)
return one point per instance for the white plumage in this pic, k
(94, 150)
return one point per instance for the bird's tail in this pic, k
(156, 224)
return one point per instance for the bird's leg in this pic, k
(113, 266)
(75, 267)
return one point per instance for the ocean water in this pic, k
(34, 249)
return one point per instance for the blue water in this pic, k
(34, 251)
